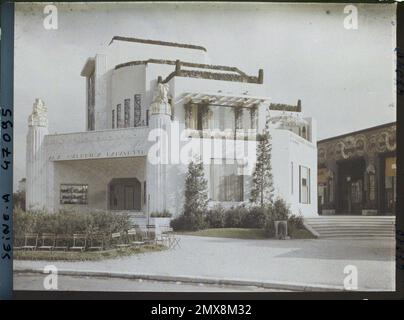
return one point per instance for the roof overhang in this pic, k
(225, 100)
(88, 68)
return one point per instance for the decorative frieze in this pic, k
(356, 145)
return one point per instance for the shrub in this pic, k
(19, 199)
(280, 210)
(215, 217)
(196, 197)
(296, 221)
(188, 222)
(67, 222)
(234, 217)
(255, 217)
(161, 214)
(23, 222)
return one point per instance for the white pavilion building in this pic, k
(151, 107)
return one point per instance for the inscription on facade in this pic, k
(97, 155)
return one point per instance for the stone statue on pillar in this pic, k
(160, 103)
(160, 120)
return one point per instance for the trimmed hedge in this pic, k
(242, 217)
(67, 222)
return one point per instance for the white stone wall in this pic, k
(36, 168)
(97, 174)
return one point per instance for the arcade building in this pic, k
(357, 172)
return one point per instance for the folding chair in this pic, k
(133, 238)
(96, 241)
(174, 242)
(118, 240)
(30, 241)
(79, 242)
(150, 233)
(62, 242)
(48, 241)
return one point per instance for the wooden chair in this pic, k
(173, 241)
(134, 238)
(96, 241)
(79, 242)
(48, 241)
(30, 241)
(62, 242)
(164, 236)
(118, 240)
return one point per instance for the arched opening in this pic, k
(125, 194)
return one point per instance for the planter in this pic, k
(281, 229)
(162, 224)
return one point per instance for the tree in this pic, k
(196, 195)
(262, 182)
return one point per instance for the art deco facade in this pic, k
(357, 172)
(150, 104)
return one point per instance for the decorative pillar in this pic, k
(35, 157)
(157, 159)
(370, 185)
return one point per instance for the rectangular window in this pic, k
(147, 117)
(253, 118)
(118, 116)
(144, 193)
(126, 113)
(137, 111)
(73, 193)
(90, 102)
(291, 175)
(225, 182)
(304, 177)
(192, 117)
(222, 118)
(113, 119)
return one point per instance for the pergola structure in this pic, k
(225, 100)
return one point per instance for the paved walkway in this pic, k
(311, 262)
(24, 281)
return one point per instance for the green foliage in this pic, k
(280, 210)
(277, 211)
(255, 217)
(161, 214)
(262, 180)
(215, 217)
(68, 222)
(19, 199)
(234, 217)
(196, 200)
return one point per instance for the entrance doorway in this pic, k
(350, 181)
(125, 194)
(388, 183)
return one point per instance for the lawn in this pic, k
(84, 256)
(245, 233)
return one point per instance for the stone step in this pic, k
(352, 226)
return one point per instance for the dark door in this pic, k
(125, 194)
(350, 182)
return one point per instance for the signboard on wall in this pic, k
(73, 193)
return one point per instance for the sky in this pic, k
(344, 77)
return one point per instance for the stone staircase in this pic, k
(340, 226)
